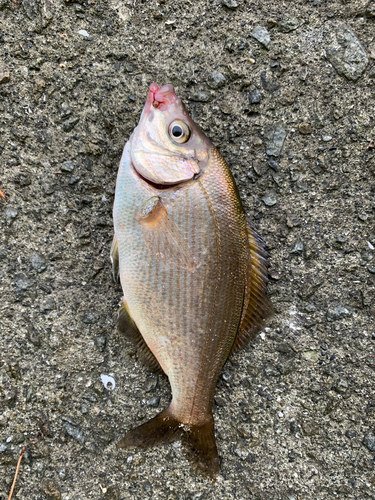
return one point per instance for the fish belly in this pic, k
(188, 316)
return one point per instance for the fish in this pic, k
(193, 270)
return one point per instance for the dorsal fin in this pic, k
(126, 326)
(257, 306)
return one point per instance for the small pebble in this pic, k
(153, 402)
(269, 199)
(216, 80)
(67, 166)
(273, 164)
(257, 141)
(274, 136)
(304, 128)
(346, 53)
(68, 125)
(100, 341)
(261, 34)
(38, 262)
(337, 313)
(10, 214)
(297, 249)
(255, 96)
(369, 441)
(341, 386)
(4, 76)
(288, 24)
(311, 356)
(231, 4)
(74, 431)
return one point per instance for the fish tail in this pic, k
(201, 439)
(165, 428)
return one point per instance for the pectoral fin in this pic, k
(162, 237)
(257, 306)
(115, 260)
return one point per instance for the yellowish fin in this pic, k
(115, 260)
(257, 306)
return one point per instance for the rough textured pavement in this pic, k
(286, 91)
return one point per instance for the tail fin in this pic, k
(165, 428)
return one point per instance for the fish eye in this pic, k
(179, 131)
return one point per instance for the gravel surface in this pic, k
(286, 92)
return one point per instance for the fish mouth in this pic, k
(160, 97)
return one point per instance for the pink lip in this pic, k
(160, 97)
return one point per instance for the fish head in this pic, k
(167, 147)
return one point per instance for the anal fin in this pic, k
(115, 260)
(257, 306)
(126, 326)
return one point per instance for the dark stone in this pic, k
(74, 180)
(22, 282)
(67, 166)
(255, 96)
(337, 313)
(216, 80)
(100, 341)
(74, 431)
(273, 164)
(38, 262)
(261, 34)
(11, 214)
(153, 402)
(69, 125)
(369, 441)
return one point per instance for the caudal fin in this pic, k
(165, 428)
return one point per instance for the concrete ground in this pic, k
(286, 91)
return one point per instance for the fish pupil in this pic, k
(177, 131)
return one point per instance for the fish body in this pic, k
(185, 255)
